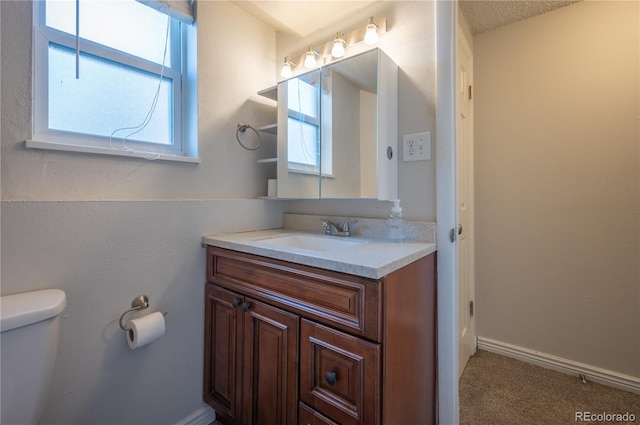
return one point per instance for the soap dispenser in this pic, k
(397, 231)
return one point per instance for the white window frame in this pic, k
(296, 115)
(181, 71)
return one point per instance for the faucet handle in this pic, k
(326, 224)
(346, 225)
(331, 228)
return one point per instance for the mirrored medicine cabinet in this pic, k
(337, 130)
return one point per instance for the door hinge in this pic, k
(470, 92)
(471, 308)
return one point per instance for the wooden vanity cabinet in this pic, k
(252, 351)
(287, 343)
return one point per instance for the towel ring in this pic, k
(242, 127)
(139, 303)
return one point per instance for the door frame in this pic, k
(469, 230)
(446, 211)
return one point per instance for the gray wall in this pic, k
(557, 173)
(103, 254)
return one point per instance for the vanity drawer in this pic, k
(308, 416)
(339, 375)
(347, 302)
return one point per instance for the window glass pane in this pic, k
(107, 96)
(303, 97)
(302, 142)
(127, 26)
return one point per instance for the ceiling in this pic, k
(303, 17)
(483, 15)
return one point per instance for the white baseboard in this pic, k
(203, 416)
(559, 364)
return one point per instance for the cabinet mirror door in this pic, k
(349, 128)
(337, 130)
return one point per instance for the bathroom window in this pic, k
(122, 86)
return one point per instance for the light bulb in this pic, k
(338, 47)
(310, 59)
(371, 36)
(286, 71)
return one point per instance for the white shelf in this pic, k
(270, 129)
(271, 93)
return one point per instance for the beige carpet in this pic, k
(497, 390)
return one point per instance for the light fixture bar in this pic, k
(322, 53)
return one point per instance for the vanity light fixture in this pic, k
(286, 70)
(329, 50)
(310, 58)
(339, 45)
(371, 35)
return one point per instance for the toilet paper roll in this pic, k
(145, 329)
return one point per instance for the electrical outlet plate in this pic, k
(416, 147)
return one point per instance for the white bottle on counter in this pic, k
(397, 230)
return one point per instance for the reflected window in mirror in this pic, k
(303, 129)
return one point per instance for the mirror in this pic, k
(299, 136)
(335, 126)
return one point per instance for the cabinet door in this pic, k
(340, 375)
(270, 384)
(223, 353)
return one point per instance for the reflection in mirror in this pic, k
(303, 125)
(299, 151)
(349, 134)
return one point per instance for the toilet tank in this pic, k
(29, 330)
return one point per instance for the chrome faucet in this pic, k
(333, 229)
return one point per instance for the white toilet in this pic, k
(29, 329)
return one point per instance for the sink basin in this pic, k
(309, 243)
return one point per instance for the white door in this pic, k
(464, 163)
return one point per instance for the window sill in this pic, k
(33, 144)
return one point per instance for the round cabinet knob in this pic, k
(331, 378)
(235, 303)
(245, 307)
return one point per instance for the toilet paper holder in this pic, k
(139, 303)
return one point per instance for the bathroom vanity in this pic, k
(344, 335)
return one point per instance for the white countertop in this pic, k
(371, 258)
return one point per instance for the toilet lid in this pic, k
(30, 307)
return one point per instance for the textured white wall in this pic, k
(236, 56)
(410, 42)
(558, 184)
(88, 224)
